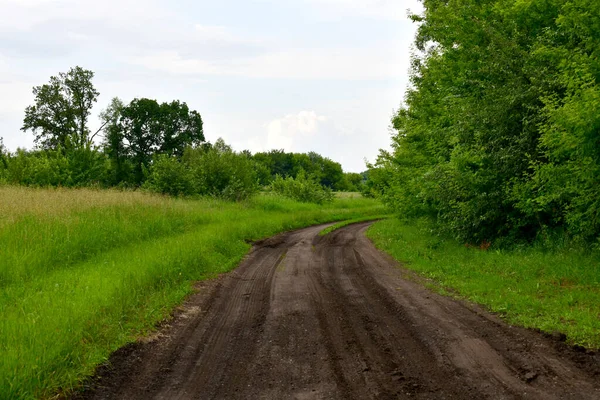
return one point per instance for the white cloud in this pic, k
(381, 9)
(238, 69)
(341, 63)
(24, 14)
(284, 133)
(217, 33)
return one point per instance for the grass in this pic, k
(554, 291)
(347, 222)
(348, 195)
(84, 272)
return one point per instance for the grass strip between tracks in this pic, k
(347, 222)
(84, 272)
(554, 291)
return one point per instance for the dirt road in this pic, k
(306, 317)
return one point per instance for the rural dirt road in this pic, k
(309, 317)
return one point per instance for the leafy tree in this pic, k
(113, 141)
(59, 116)
(221, 172)
(146, 128)
(497, 136)
(76, 168)
(3, 161)
(168, 175)
(302, 188)
(209, 170)
(279, 163)
(351, 182)
(3, 154)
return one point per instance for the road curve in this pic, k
(309, 317)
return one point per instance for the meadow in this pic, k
(555, 289)
(83, 271)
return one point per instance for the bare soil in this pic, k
(309, 317)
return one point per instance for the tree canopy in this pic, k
(279, 163)
(59, 115)
(144, 128)
(498, 136)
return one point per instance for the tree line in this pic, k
(498, 138)
(158, 146)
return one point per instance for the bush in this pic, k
(168, 175)
(76, 168)
(303, 188)
(212, 170)
(220, 172)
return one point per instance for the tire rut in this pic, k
(305, 317)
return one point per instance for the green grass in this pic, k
(549, 290)
(347, 222)
(84, 272)
(348, 195)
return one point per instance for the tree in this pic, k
(146, 128)
(3, 155)
(113, 141)
(498, 134)
(279, 163)
(59, 116)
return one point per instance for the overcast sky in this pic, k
(299, 75)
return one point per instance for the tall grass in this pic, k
(82, 272)
(554, 290)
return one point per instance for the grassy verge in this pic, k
(548, 290)
(347, 222)
(83, 272)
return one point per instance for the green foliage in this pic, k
(168, 175)
(211, 170)
(74, 168)
(554, 290)
(143, 129)
(60, 114)
(351, 182)
(302, 188)
(219, 171)
(3, 162)
(279, 163)
(497, 137)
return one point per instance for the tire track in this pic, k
(306, 317)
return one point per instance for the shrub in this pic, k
(75, 168)
(220, 172)
(168, 175)
(302, 188)
(211, 170)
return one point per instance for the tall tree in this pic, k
(59, 115)
(3, 155)
(113, 140)
(498, 135)
(146, 128)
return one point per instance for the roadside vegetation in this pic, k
(495, 160)
(497, 138)
(556, 290)
(84, 272)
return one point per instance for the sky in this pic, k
(298, 75)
